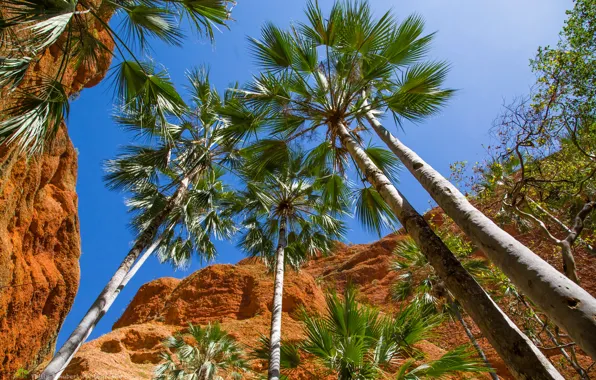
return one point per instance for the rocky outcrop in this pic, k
(39, 230)
(237, 296)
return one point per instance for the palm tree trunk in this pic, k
(565, 302)
(455, 307)
(520, 355)
(275, 339)
(107, 296)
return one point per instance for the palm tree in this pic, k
(284, 201)
(314, 80)
(429, 288)
(29, 28)
(177, 196)
(356, 342)
(416, 93)
(211, 351)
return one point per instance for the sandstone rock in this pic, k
(239, 297)
(39, 230)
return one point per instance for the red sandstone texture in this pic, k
(39, 232)
(237, 296)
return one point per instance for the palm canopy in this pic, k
(202, 355)
(30, 27)
(334, 69)
(190, 156)
(290, 192)
(357, 342)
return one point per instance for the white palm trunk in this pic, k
(569, 306)
(275, 338)
(520, 355)
(108, 295)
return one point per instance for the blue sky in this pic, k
(488, 44)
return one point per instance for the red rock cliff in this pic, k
(39, 232)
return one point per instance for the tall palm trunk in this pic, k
(275, 339)
(107, 296)
(569, 306)
(522, 358)
(456, 312)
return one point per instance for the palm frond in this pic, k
(406, 46)
(143, 21)
(386, 161)
(419, 93)
(36, 115)
(458, 360)
(373, 212)
(142, 86)
(275, 50)
(205, 15)
(12, 71)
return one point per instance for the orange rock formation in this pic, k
(39, 230)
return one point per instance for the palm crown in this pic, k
(334, 70)
(190, 156)
(208, 351)
(291, 193)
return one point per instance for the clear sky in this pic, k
(488, 43)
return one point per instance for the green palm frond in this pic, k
(407, 45)
(322, 30)
(386, 161)
(335, 191)
(402, 288)
(12, 71)
(408, 255)
(275, 50)
(412, 324)
(372, 211)
(265, 156)
(36, 116)
(144, 21)
(458, 360)
(476, 267)
(204, 15)
(200, 353)
(136, 167)
(289, 353)
(419, 93)
(142, 85)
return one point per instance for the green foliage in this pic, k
(286, 190)
(458, 360)
(333, 69)
(357, 342)
(201, 353)
(373, 213)
(417, 277)
(21, 373)
(290, 357)
(185, 157)
(29, 27)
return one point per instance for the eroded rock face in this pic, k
(237, 296)
(39, 229)
(39, 252)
